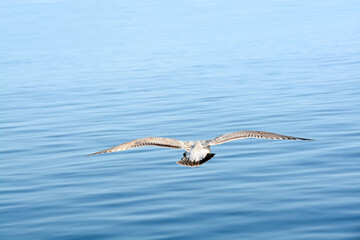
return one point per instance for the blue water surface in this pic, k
(81, 76)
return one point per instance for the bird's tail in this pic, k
(187, 162)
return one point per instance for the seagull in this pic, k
(196, 152)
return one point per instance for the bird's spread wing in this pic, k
(250, 134)
(148, 141)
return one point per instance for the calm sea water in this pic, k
(81, 76)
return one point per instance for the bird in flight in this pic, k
(197, 152)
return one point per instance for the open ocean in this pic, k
(77, 77)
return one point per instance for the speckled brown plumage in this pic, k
(197, 152)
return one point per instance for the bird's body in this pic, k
(197, 152)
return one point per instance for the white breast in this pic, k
(198, 152)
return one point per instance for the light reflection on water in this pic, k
(85, 76)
